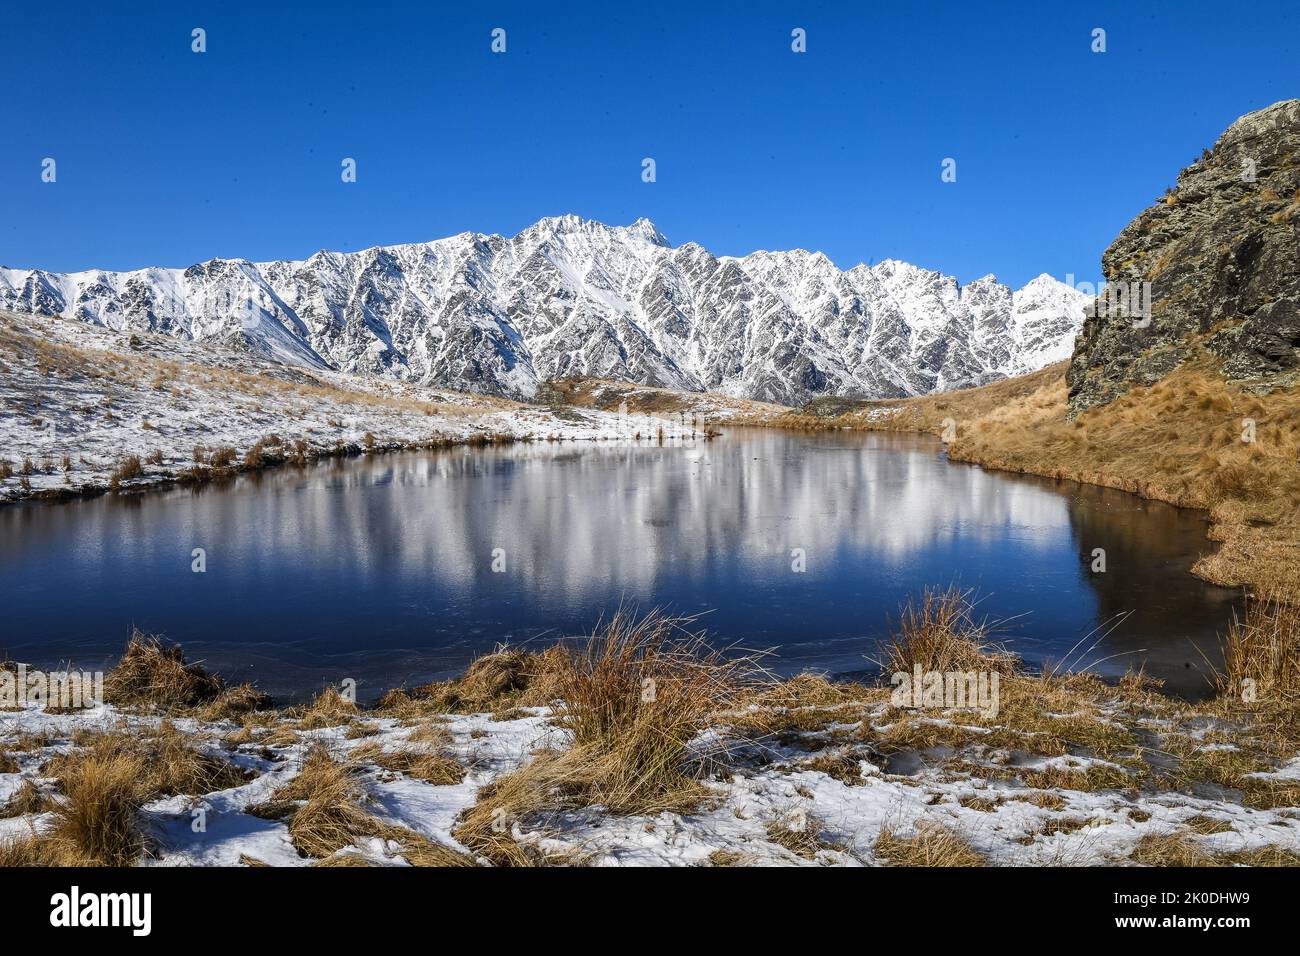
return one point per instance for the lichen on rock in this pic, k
(1222, 253)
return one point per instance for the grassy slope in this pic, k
(1180, 441)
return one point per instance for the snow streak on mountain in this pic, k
(569, 296)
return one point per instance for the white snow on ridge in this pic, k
(569, 296)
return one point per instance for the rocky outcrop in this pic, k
(1221, 252)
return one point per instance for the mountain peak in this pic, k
(643, 228)
(571, 224)
(557, 225)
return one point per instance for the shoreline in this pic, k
(1151, 442)
(91, 410)
(799, 771)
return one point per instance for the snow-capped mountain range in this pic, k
(569, 296)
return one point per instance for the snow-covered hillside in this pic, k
(77, 401)
(569, 296)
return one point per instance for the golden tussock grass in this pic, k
(429, 764)
(932, 844)
(321, 801)
(638, 692)
(328, 709)
(171, 763)
(281, 736)
(497, 683)
(155, 676)
(636, 695)
(326, 816)
(1261, 651)
(940, 632)
(1170, 849)
(97, 822)
(1049, 714)
(238, 701)
(804, 836)
(27, 799)
(805, 702)
(1179, 440)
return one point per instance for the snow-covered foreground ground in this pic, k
(79, 402)
(796, 798)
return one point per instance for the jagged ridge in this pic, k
(569, 296)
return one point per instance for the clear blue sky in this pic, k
(167, 157)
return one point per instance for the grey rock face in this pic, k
(1222, 254)
(569, 296)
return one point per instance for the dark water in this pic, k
(380, 569)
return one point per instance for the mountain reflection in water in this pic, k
(381, 568)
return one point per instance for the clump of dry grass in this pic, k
(170, 763)
(802, 835)
(154, 675)
(433, 766)
(25, 852)
(281, 735)
(97, 822)
(431, 734)
(1170, 849)
(1261, 651)
(328, 709)
(27, 799)
(127, 468)
(931, 844)
(328, 822)
(842, 764)
(238, 701)
(636, 696)
(418, 850)
(727, 858)
(981, 803)
(326, 816)
(491, 678)
(1086, 779)
(487, 827)
(941, 633)
(1040, 798)
(1263, 856)
(344, 858)
(1206, 826)
(496, 682)
(805, 702)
